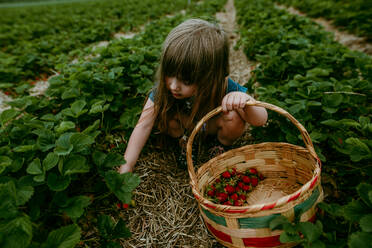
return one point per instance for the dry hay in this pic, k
(166, 214)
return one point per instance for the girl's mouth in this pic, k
(176, 95)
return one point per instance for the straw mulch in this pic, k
(166, 214)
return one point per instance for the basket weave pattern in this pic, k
(291, 187)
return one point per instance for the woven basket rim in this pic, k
(308, 186)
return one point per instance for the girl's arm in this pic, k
(256, 116)
(139, 137)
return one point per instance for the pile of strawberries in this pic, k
(232, 187)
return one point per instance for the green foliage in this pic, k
(327, 88)
(110, 231)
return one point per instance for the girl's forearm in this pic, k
(136, 142)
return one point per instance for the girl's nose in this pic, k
(174, 84)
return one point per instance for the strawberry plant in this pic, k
(323, 85)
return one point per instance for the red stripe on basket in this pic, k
(272, 241)
(313, 182)
(235, 211)
(209, 206)
(221, 235)
(270, 206)
(294, 197)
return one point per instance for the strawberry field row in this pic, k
(35, 39)
(328, 88)
(354, 16)
(53, 150)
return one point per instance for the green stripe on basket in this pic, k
(217, 219)
(306, 205)
(257, 222)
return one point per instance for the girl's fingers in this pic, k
(230, 102)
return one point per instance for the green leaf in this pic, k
(278, 222)
(122, 185)
(354, 211)
(5, 161)
(366, 223)
(24, 148)
(75, 164)
(64, 237)
(92, 127)
(121, 231)
(7, 115)
(332, 100)
(77, 108)
(39, 178)
(364, 191)
(34, 168)
(8, 196)
(57, 182)
(113, 159)
(310, 231)
(64, 126)
(70, 93)
(50, 161)
(46, 140)
(289, 238)
(80, 141)
(359, 150)
(75, 206)
(105, 226)
(98, 157)
(64, 147)
(360, 240)
(99, 107)
(24, 193)
(16, 233)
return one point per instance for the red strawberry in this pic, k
(7, 93)
(237, 189)
(211, 193)
(222, 197)
(125, 205)
(246, 179)
(112, 146)
(229, 203)
(234, 196)
(118, 205)
(229, 189)
(254, 181)
(226, 174)
(238, 203)
(261, 177)
(233, 171)
(246, 187)
(218, 180)
(253, 170)
(240, 184)
(242, 197)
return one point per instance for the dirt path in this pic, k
(351, 41)
(240, 67)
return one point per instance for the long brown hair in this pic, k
(195, 52)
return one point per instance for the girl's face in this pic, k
(179, 89)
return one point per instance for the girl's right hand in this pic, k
(125, 168)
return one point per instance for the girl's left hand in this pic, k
(235, 100)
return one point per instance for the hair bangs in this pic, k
(187, 61)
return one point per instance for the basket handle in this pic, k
(305, 135)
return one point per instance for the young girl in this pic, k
(193, 80)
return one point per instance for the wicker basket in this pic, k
(291, 187)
